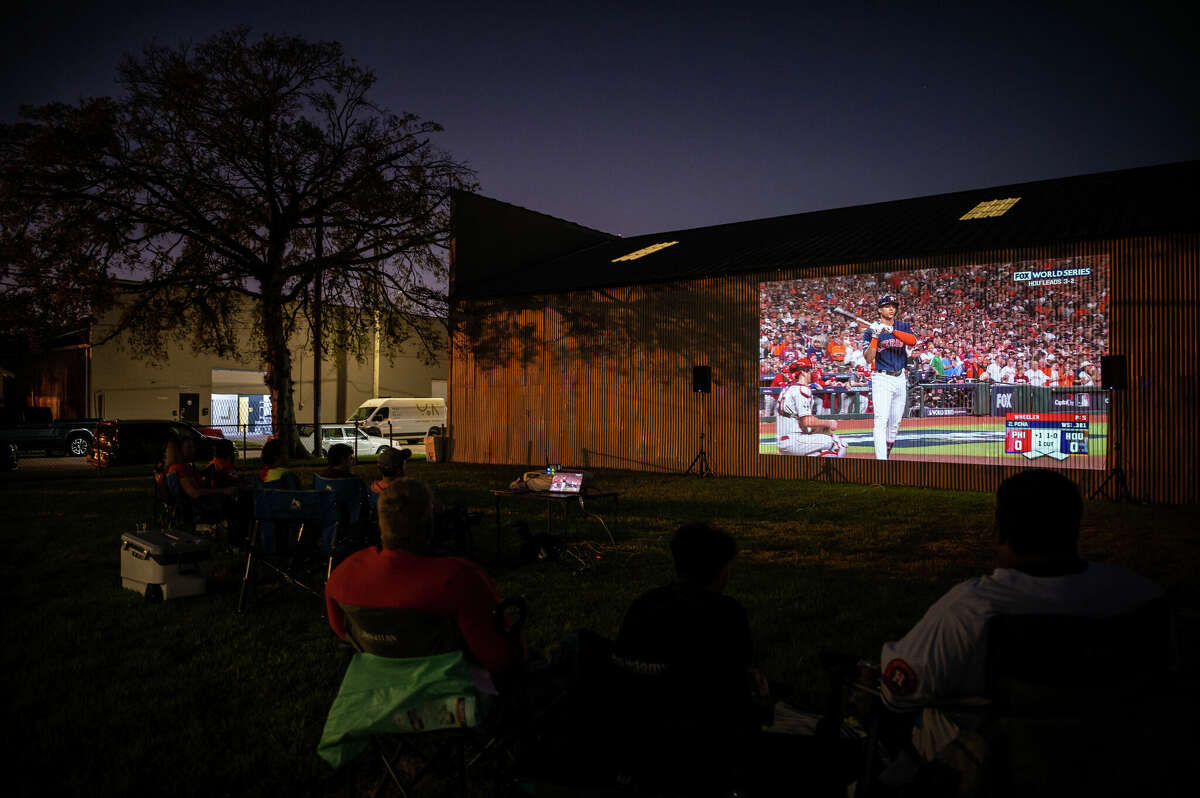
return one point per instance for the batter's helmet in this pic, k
(888, 299)
(803, 364)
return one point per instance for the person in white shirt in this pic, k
(1035, 375)
(995, 370)
(1009, 373)
(1038, 572)
(854, 355)
(1085, 378)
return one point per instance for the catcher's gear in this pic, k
(888, 299)
(803, 364)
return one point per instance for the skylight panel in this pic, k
(643, 252)
(989, 209)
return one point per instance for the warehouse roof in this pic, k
(1109, 205)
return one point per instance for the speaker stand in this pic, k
(829, 471)
(1116, 475)
(699, 466)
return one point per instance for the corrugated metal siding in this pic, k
(602, 379)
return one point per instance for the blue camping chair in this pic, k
(183, 514)
(351, 497)
(277, 510)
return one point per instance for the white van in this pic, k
(400, 418)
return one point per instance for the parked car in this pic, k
(34, 428)
(126, 441)
(362, 443)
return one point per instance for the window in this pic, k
(641, 253)
(990, 209)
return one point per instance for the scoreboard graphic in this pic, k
(1054, 435)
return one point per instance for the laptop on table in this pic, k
(568, 483)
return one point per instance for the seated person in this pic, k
(220, 471)
(1038, 571)
(339, 458)
(399, 575)
(702, 636)
(274, 469)
(391, 467)
(177, 459)
(353, 509)
(686, 690)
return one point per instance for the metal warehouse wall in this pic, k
(602, 378)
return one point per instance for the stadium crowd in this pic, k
(974, 323)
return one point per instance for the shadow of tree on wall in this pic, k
(700, 322)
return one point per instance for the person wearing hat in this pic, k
(797, 425)
(1086, 377)
(339, 459)
(391, 467)
(886, 344)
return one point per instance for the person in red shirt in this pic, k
(220, 472)
(211, 503)
(177, 458)
(399, 575)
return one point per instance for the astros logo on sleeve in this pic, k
(900, 677)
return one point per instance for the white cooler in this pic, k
(175, 562)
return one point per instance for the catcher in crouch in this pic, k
(796, 426)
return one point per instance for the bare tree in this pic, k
(206, 182)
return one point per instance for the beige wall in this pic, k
(122, 386)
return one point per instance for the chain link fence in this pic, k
(365, 439)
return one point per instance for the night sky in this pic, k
(690, 114)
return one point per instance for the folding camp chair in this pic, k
(1073, 705)
(409, 678)
(163, 513)
(279, 510)
(181, 515)
(337, 535)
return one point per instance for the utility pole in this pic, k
(319, 252)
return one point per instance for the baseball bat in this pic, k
(851, 316)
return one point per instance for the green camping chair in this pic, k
(408, 678)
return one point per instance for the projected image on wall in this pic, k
(996, 363)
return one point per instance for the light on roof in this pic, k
(641, 253)
(986, 210)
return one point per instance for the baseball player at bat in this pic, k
(885, 345)
(796, 425)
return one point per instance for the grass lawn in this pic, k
(109, 695)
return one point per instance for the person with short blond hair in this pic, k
(398, 574)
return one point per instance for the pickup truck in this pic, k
(33, 428)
